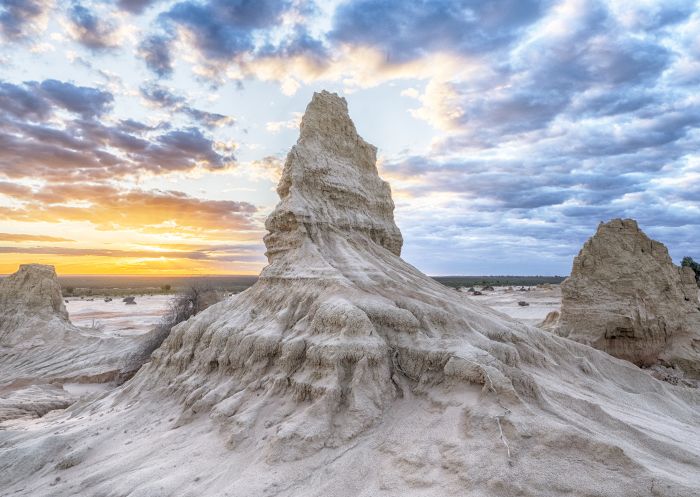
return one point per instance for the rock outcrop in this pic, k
(346, 371)
(30, 301)
(626, 297)
(39, 346)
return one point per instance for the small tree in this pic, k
(192, 301)
(689, 262)
(182, 307)
(166, 288)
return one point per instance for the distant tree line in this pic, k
(461, 281)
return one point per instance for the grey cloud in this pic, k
(86, 148)
(135, 6)
(86, 101)
(162, 97)
(223, 29)
(91, 31)
(17, 17)
(155, 51)
(21, 102)
(406, 30)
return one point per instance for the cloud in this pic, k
(135, 6)
(22, 237)
(549, 116)
(268, 168)
(155, 51)
(408, 30)
(218, 34)
(36, 101)
(575, 59)
(110, 208)
(86, 101)
(21, 102)
(37, 143)
(140, 254)
(184, 149)
(14, 189)
(277, 126)
(162, 97)
(20, 19)
(222, 29)
(92, 151)
(85, 27)
(207, 119)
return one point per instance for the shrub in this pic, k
(689, 262)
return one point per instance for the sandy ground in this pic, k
(24, 388)
(541, 300)
(117, 318)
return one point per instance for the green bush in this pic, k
(689, 262)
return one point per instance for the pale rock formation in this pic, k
(30, 300)
(40, 346)
(345, 371)
(551, 321)
(626, 297)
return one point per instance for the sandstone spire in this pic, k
(330, 188)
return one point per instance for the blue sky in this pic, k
(143, 136)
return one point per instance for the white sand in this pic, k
(117, 318)
(541, 300)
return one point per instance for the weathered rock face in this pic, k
(346, 371)
(31, 294)
(626, 297)
(689, 284)
(329, 188)
(39, 345)
(34, 289)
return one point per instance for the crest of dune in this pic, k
(345, 371)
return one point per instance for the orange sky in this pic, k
(98, 230)
(123, 266)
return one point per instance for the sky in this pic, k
(147, 136)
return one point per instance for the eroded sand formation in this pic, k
(626, 297)
(345, 371)
(40, 349)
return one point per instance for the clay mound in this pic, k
(39, 345)
(345, 371)
(626, 297)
